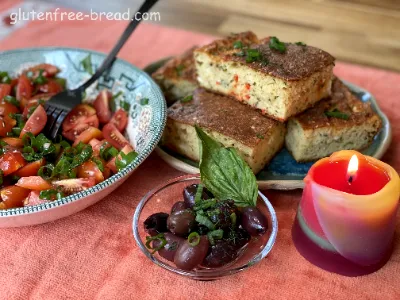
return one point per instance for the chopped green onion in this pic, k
(99, 163)
(125, 159)
(50, 195)
(126, 105)
(159, 237)
(188, 98)
(144, 101)
(233, 219)
(300, 44)
(203, 220)
(193, 239)
(46, 172)
(113, 105)
(40, 79)
(335, 113)
(61, 81)
(260, 136)
(12, 100)
(199, 193)
(5, 78)
(276, 44)
(253, 55)
(205, 204)
(215, 235)
(238, 45)
(87, 64)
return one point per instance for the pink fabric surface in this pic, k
(92, 255)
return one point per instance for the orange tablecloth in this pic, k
(93, 255)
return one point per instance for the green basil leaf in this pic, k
(225, 173)
(84, 153)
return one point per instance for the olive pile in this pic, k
(203, 231)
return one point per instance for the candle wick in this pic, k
(350, 179)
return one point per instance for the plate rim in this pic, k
(281, 184)
(157, 134)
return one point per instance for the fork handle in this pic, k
(107, 63)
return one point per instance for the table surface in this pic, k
(92, 254)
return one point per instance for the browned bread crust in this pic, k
(224, 115)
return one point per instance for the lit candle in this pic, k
(347, 215)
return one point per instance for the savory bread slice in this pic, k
(256, 137)
(341, 122)
(177, 78)
(280, 79)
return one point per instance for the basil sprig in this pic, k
(225, 173)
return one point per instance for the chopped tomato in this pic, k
(120, 119)
(102, 106)
(36, 122)
(31, 169)
(111, 164)
(36, 183)
(6, 109)
(89, 169)
(114, 137)
(11, 162)
(75, 185)
(14, 142)
(87, 135)
(34, 199)
(74, 132)
(96, 145)
(13, 196)
(5, 90)
(6, 125)
(24, 88)
(42, 96)
(48, 70)
(79, 115)
(51, 86)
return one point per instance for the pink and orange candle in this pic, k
(347, 215)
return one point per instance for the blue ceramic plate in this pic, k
(283, 172)
(146, 121)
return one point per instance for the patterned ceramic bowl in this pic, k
(163, 197)
(146, 122)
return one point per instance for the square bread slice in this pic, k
(341, 122)
(177, 78)
(279, 84)
(256, 137)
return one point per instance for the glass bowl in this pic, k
(163, 197)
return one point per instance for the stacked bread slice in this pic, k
(248, 89)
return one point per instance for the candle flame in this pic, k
(353, 165)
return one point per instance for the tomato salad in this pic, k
(34, 169)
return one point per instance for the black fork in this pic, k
(61, 104)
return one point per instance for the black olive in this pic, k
(253, 221)
(221, 253)
(189, 194)
(169, 249)
(188, 257)
(181, 222)
(221, 214)
(156, 223)
(237, 237)
(180, 205)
